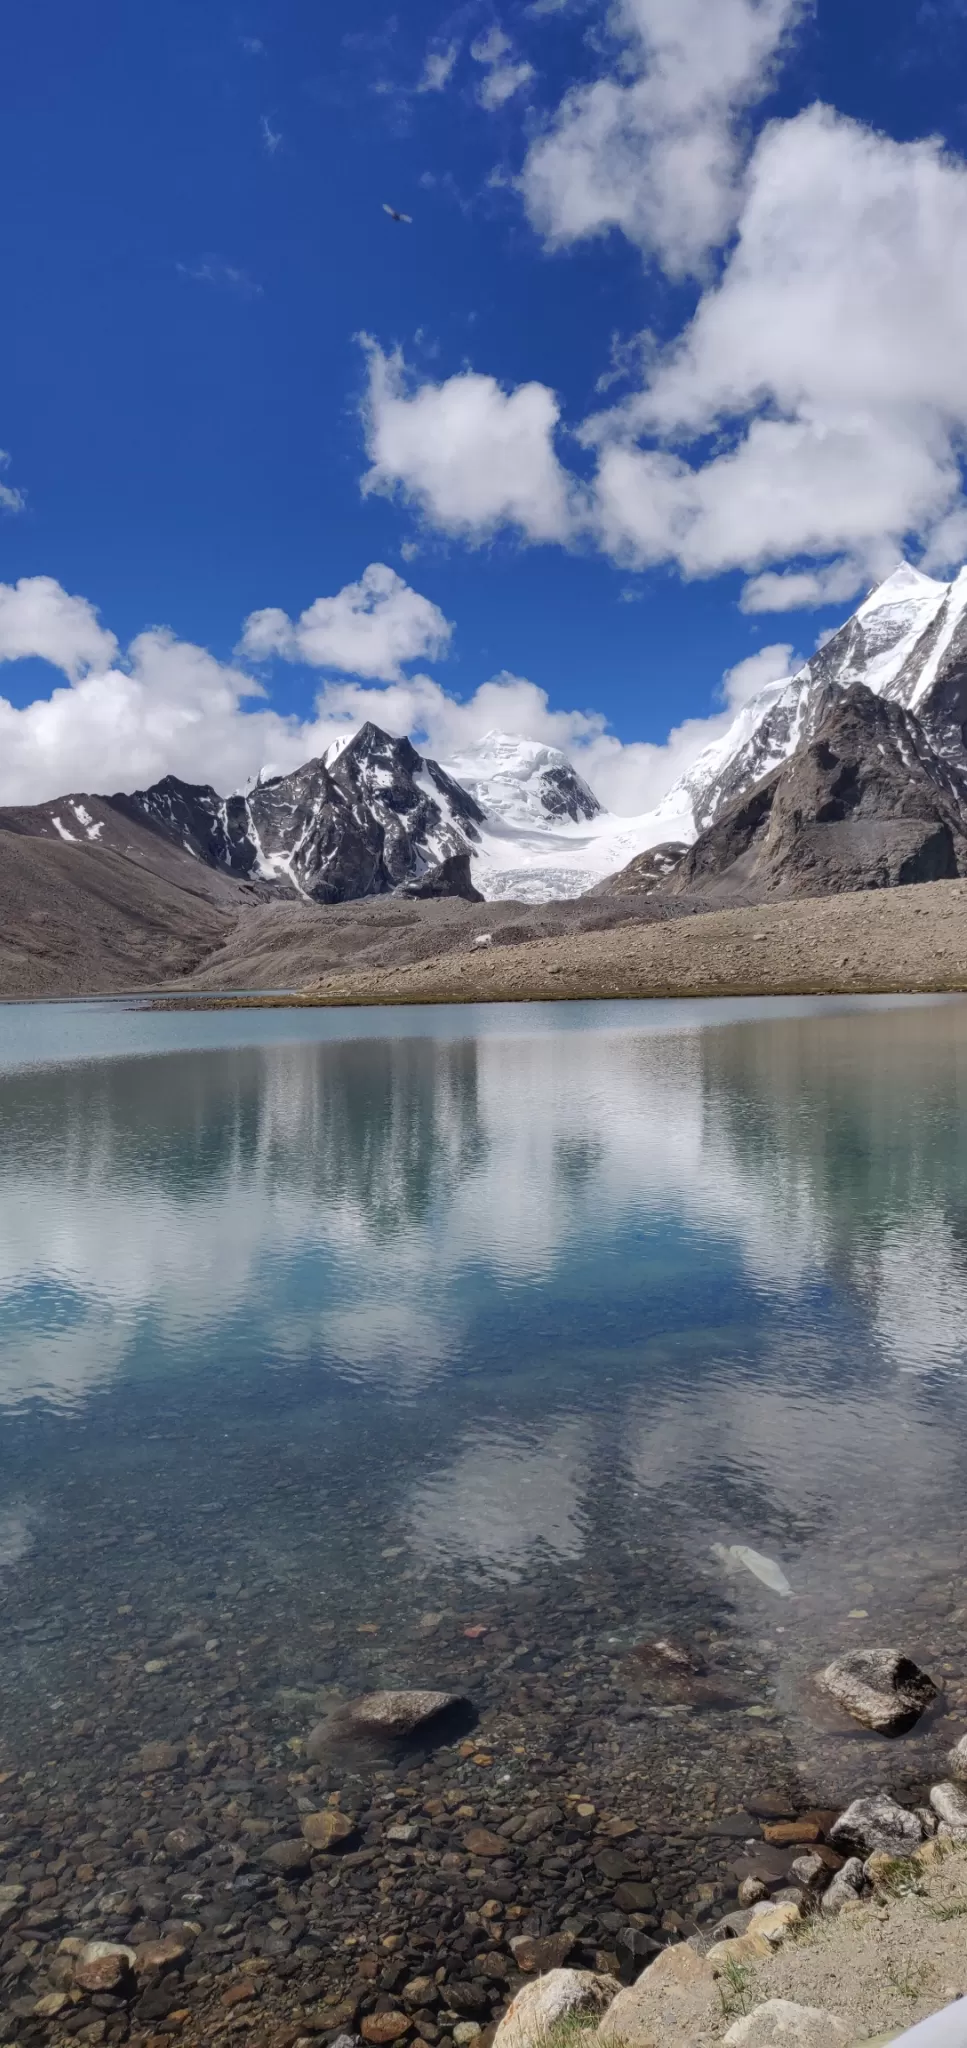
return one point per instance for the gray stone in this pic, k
(780, 2021)
(877, 1823)
(949, 1803)
(881, 1689)
(752, 1890)
(810, 1870)
(848, 1886)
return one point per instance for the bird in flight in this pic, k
(404, 217)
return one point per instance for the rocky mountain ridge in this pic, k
(865, 802)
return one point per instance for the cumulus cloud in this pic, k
(654, 148)
(828, 354)
(38, 617)
(806, 427)
(168, 707)
(371, 628)
(504, 77)
(472, 456)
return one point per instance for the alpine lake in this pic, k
(472, 1350)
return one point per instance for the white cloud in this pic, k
(226, 276)
(38, 617)
(823, 371)
(370, 629)
(168, 707)
(828, 354)
(657, 154)
(438, 68)
(769, 665)
(795, 590)
(472, 456)
(11, 500)
(504, 76)
(271, 137)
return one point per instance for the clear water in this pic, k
(330, 1336)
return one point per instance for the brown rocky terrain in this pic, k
(913, 939)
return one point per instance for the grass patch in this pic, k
(737, 1990)
(955, 1911)
(901, 1879)
(907, 1976)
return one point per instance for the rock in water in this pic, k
(561, 1995)
(386, 1714)
(765, 1569)
(324, 1831)
(781, 2024)
(877, 1824)
(881, 1689)
(666, 2006)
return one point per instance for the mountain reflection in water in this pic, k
(510, 1307)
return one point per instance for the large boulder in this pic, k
(666, 2006)
(781, 2024)
(877, 1823)
(561, 1995)
(881, 1689)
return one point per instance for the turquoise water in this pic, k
(336, 1333)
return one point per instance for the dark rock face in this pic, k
(644, 873)
(365, 822)
(564, 795)
(450, 877)
(866, 803)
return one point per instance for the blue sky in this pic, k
(660, 334)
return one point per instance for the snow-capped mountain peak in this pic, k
(522, 782)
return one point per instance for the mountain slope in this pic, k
(907, 642)
(369, 817)
(865, 803)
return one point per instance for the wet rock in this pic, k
(49, 2007)
(561, 1995)
(877, 1823)
(11, 1896)
(535, 1823)
(635, 1898)
(292, 1858)
(881, 1689)
(168, 1954)
(541, 1953)
(667, 2004)
(324, 1831)
(949, 1803)
(103, 1966)
(781, 2024)
(752, 1890)
(183, 1843)
(381, 2027)
(847, 1887)
(482, 1843)
(160, 1756)
(786, 1834)
(395, 1713)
